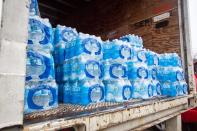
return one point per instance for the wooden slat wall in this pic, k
(113, 18)
(162, 40)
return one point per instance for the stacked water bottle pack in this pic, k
(171, 75)
(79, 70)
(40, 89)
(138, 71)
(117, 86)
(152, 62)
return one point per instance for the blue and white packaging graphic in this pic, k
(138, 55)
(142, 89)
(137, 70)
(141, 55)
(116, 49)
(171, 74)
(86, 45)
(83, 68)
(65, 38)
(40, 96)
(152, 72)
(118, 90)
(33, 7)
(182, 88)
(156, 88)
(114, 69)
(40, 34)
(85, 92)
(152, 62)
(152, 58)
(169, 89)
(133, 40)
(39, 66)
(170, 59)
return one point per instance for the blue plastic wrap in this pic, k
(182, 88)
(39, 66)
(40, 96)
(133, 40)
(137, 70)
(116, 49)
(117, 90)
(156, 88)
(152, 58)
(152, 72)
(40, 34)
(169, 59)
(65, 38)
(33, 7)
(64, 94)
(86, 45)
(85, 92)
(171, 74)
(79, 68)
(114, 70)
(142, 89)
(169, 89)
(59, 74)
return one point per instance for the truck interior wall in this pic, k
(113, 18)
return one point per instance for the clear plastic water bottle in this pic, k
(182, 88)
(86, 45)
(156, 88)
(171, 74)
(116, 49)
(170, 59)
(142, 89)
(33, 8)
(152, 58)
(67, 92)
(94, 90)
(59, 54)
(108, 48)
(75, 92)
(114, 70)
(152, 72)
(85, 68)
(59, 74)
(39, 66)
(117, 90)
(169, 89)
(40, 96)
(40, 34)
(137, 70)
(67, 70)
(141, 55)
(64, 39)
(85, 92)
(61, 92)
(133, 40)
